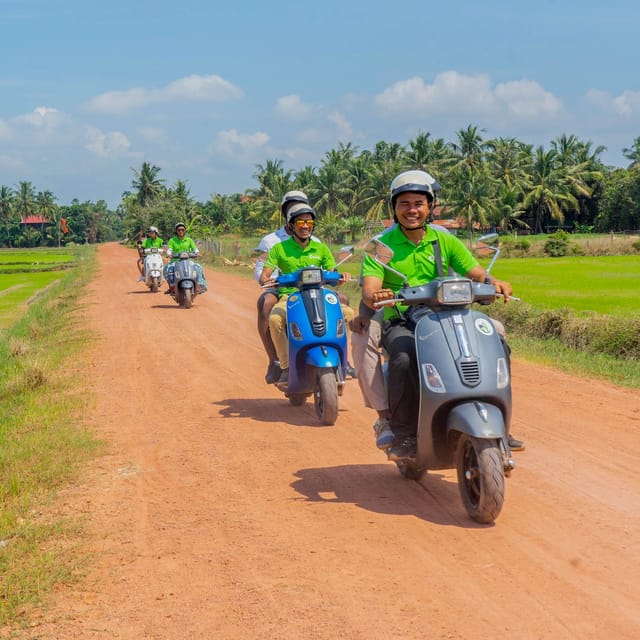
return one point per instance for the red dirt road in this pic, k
(219, 511)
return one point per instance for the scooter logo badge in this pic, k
(331, 298)
(484, 326)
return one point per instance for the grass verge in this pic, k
(42, 443)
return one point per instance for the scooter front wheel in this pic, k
(155, 283)
(325, 396)
(186, 298)
(480, 477)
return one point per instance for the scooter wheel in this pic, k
(480, 477)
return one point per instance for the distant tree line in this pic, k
(498, 183)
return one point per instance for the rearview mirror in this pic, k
(344, 254)
(488, 245)
(383, 254)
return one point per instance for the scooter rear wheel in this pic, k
(325, 396)
(297, 399)
(480, 477)
(409, 469)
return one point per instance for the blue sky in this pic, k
(206, 90)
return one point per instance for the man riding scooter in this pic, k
(269, 296)
(414, 245)
(298, 251)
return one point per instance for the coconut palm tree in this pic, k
(471, 196)
(633, 153)
(46, 208)
(146, 184)
(550, 193)
(6, 210)
(469, 149)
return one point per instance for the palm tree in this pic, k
(509, 161)
(550, 192)
(273, 183)
(471, 196)
(427, 154)
(469, 148)
(633, 154)
(47, 209)
(6, 209)
(24, 206)
(147, 185)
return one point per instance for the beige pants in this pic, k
(367, 360)
(278, 328)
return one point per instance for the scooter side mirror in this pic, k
(383, 254)
(344, 254)
(488, 245)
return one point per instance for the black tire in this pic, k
(480, 477)
(409, 470)
(154, 285)
(297, 399)
(325, 396)
(186, 298)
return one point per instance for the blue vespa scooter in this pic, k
(317, 334)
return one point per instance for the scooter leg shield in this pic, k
(477, 419)
(322, 357)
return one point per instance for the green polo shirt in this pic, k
(417, 262)
(288, 256)
(149, 242)
(177, 246)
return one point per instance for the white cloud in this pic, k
(5, 131)
(9, 163)
(192, 88)
(231, 141)
(527, 99)
(40, 118)
(626, 104)
(345, 131)
(453, 92)
(152, 134)
(106, 145)
(292, 107)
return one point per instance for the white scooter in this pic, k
(153, 267)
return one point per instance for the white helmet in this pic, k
(416, 181)
(297, 209)
(152, 230)
(292, 196)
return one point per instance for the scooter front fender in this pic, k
(323, 357)
(477, 419)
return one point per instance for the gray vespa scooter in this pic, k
(465, 386)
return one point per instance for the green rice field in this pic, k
(26, 272)
(606, 284)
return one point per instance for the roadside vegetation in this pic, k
(42, 441)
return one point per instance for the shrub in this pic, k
(617, 337)
(557, 244)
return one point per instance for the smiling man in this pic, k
(414, 244)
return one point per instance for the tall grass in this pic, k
(42, 442)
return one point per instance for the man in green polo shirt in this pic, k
(411, 240)
(298, 251)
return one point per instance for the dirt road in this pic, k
(219, 511)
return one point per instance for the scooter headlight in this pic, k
(311, 276)
(455, 292)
